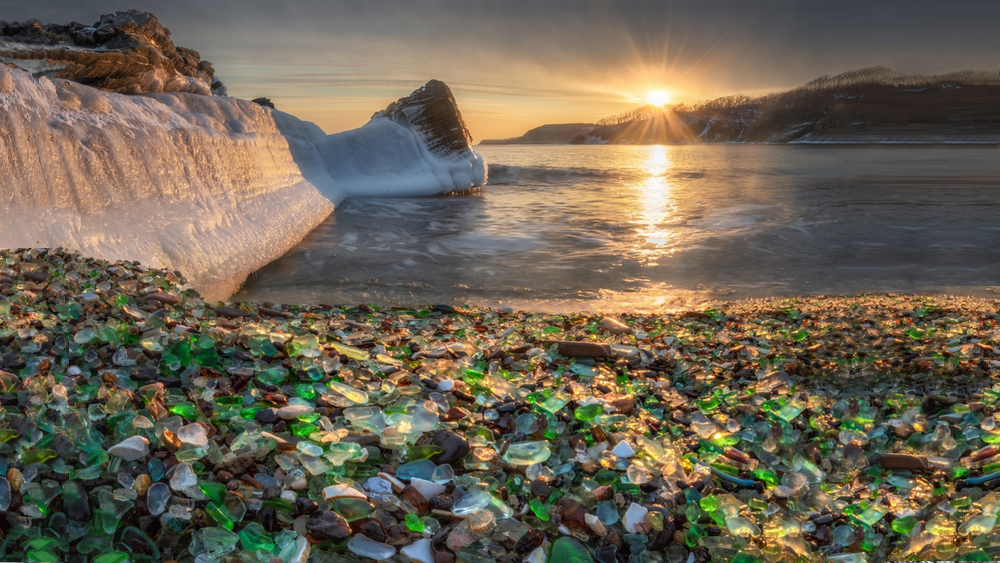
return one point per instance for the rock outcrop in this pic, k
(432, 112)
(127, 52)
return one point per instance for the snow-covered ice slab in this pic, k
(214, 187)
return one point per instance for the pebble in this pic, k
(142, 484)
(614, 326)
(537, 555)
(327, 525)
(623, 450)
(427, 489)
(131, 449)
(193, 434)
(302, 549)
(904, 461)
(634, 516)
(340, 491)
(419, 551)
(584, 350)
(15, 478)
(292, 412)
(455, 447)
(365, 547)
(231, 312)
(164, 298)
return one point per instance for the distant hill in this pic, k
(558, 134)
(871, 105)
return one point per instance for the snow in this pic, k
(214, 187)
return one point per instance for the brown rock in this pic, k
(231, 312)
(164, 298)
(416, 499)
(584, 350)
(541, 489)
(528, 542)
(573, 512)
(117, 53)
(904, 461)
(431, 111)
(604, 492)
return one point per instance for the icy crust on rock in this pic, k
(383, 158)
(214, 187)
(420, 142)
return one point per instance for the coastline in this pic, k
(820, 426)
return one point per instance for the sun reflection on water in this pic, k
(656, 212)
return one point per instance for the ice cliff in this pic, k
(213, 186)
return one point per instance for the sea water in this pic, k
(660, 227)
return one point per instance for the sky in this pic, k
(515, 64)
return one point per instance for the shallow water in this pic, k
(656, 227)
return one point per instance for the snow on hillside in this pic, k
(215, 187)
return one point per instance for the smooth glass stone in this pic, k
(978, 525)
(362, 545)
(588, 413)
(254, 537)
(157, 470)
(694, 535)
(353, 396)
(31, 457)
(872, 514)
(637, 475)
(940, 525)
(183, 477)
(709, 503)
(843, 535)
(112, 510)
(218, 541)
(527, 453)
(768, 476)
(422, 468)
(443, 474)
(414, 523)
(740, 526)
(607, 512)
(539, 509)
(790, 410)
(556, 402)
(187, 410)
(904, 525)
(214, 491)
(568, 549)
(476, 500)
(157, 498)
(220, 516)
(352, 508)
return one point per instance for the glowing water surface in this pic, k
(656, 227)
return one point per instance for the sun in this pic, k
(658, 98)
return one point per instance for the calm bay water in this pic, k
(649, 228)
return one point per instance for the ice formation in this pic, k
(212, 186)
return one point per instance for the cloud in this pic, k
(527, 53)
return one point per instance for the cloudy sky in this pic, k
(517, 64)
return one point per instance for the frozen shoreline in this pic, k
(216, 187)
